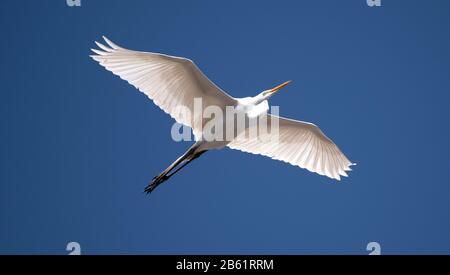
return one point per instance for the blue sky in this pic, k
(78, 145)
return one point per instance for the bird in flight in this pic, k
(173, 82)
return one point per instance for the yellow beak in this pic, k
(273, 90)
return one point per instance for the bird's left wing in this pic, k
(299, 143)
(171, 82)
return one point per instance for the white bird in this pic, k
(172, 82)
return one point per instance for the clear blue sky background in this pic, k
(78, 145)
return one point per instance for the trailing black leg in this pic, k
(181, 162)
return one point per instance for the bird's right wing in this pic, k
(299, 143)
(171, 82)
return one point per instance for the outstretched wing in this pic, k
(171, 82)
(298, 143)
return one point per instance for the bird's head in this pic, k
(268, 93)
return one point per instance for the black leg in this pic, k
(165, 176)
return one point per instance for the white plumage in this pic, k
(174, 82)
(299, 143)
(167, 80)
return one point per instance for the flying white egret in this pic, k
(172, 82)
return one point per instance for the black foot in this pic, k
(155, 182)
(149, 188)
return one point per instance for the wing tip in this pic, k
(110, 47)
(110, 43)
(103, 47)
(98, 52)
